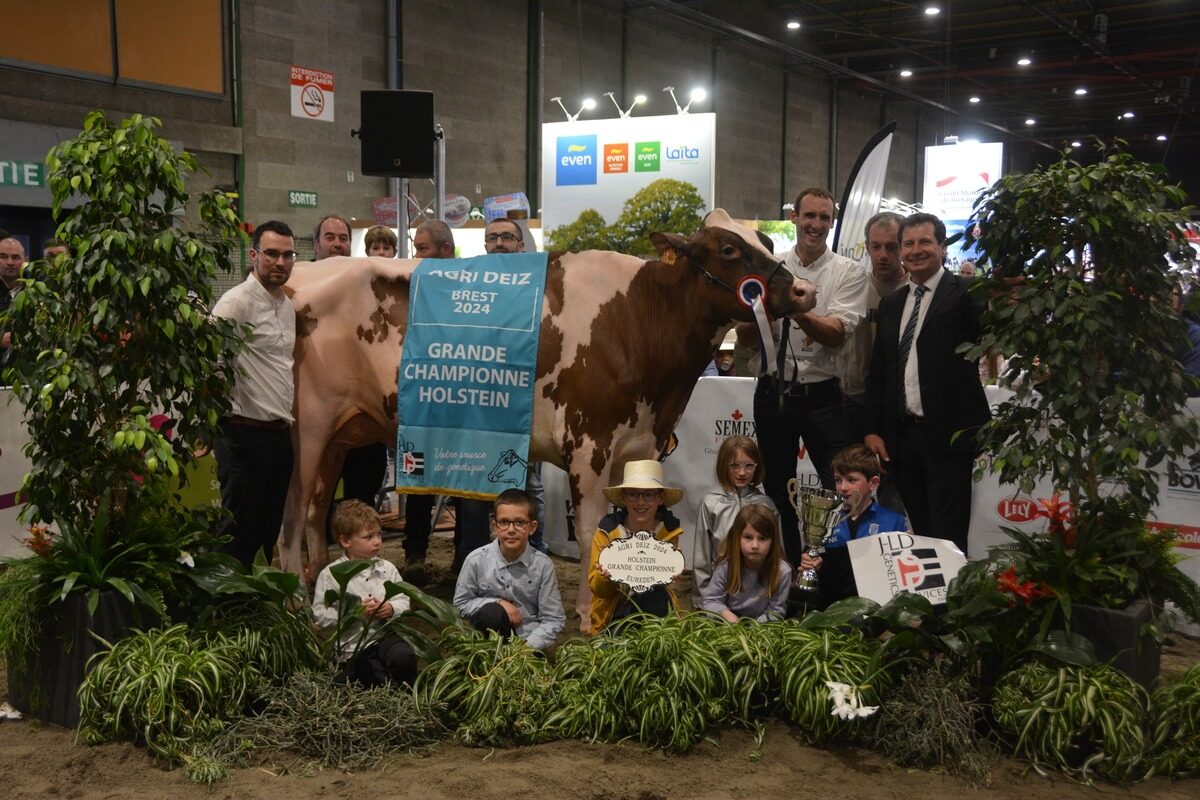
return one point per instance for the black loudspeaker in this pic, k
(397, 134)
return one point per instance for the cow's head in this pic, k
(728, 257)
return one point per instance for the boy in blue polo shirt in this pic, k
(856, 472)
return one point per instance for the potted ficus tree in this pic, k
(1082, 260)
(122, 372)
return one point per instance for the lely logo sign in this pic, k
(575, 160)
(647, 157)
(1018, 509)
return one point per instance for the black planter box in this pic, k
(47, 687)
(1116, 633)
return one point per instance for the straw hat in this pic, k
(644, 475)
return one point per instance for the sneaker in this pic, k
(414, 572)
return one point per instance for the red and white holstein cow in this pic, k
(623, 341)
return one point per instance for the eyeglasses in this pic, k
(507, 524)
(743, 467)
(275, 255)
(492, 238)
(632, 495)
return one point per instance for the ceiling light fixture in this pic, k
(932, 11)
(1031, 121)
(637, 101)
(1076, 143)
(588, 105)
(698, 94)
(975, 98)
(1024, 61)
(1162, 137)
(1127, 115)
(1081, 91)
(906, 73)
(794, 25)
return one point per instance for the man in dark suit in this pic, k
(921, 392)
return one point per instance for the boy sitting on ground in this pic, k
(371, 659)
(508, 586)
(856, 472)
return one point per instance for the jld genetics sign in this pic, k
(602, 163)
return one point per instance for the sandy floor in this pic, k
(38, 761)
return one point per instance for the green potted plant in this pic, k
(121, 371)
(1082, 260)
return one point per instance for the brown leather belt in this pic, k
(270, 425)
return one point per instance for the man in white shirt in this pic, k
(254, 446)
(799, 397)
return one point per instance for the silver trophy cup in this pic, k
(819, 511)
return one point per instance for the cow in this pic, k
(623, 342)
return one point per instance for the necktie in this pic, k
(910, 330)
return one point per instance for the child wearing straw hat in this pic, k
(642, 498)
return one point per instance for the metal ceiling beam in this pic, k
(682, 12)
(1101, 50)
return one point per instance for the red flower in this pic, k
(1062, 519)
(39, 539)
(1010, 584)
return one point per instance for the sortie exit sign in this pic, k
(298, 199)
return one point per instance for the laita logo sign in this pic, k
(575, 161)
(616, 158)
(646, 157)
(683, 154)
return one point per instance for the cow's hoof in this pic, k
(414, 572)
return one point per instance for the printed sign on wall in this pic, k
(600, 164)
(955, 175)
(312, 94)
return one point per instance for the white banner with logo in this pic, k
(995, 506)
(955, 175)
(599, 164)
(895, 562)
(863, 192)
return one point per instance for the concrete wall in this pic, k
(773, 118)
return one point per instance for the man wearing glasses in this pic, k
(253, 447)
(503, 236)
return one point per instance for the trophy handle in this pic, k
(793, 488)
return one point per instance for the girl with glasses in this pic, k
(739, 472)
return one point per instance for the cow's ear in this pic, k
(669, 246)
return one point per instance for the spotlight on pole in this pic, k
(588, 105)
(625, 112)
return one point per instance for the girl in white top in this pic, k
(739, 471)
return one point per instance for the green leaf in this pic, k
(122, 586)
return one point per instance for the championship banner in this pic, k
(890, 563)
(465, 401)
(864, 191)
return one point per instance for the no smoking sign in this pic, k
(312, 94)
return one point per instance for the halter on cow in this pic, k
(623, 342)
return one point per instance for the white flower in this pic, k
(846, 702)
(186, 559)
